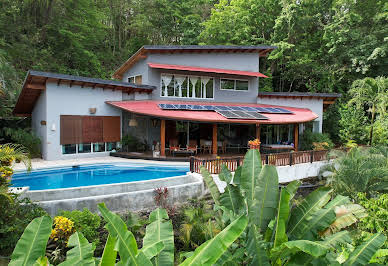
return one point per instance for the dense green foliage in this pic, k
(23, 137)
(308, 138)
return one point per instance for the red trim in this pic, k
(207, 70)
(151, 108)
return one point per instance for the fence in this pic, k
(213, 165)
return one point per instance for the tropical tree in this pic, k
(358, 170)
(371, 94)
(278, 234)
(14, 152)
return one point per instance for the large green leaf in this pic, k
(152, 250)
(81, 253)
(363, 253)
(210, 251)
(110, 254)
(126, 242)
(322, 219)
(232, 198)
(249, 174)
(32, 243)
(160, 230)
(315, 249)
(283, 211)
(237, 175)
(211, 185)
(303, 213)
(225, 175)
(337, 239)
(256, 247)
(264, 207)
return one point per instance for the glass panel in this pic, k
(198, 85)
(227, 84)
(138, 79)
(111, 146)
(84, 148)
(241, 85)
(209, 89)
(184, 88)
(69, 149)
(131, 80)
(99, 147)
(170, 88)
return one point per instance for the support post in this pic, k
(163, 137)
(214, 142)
(296, 136)
(258, 132)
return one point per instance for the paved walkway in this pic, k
(40, 163)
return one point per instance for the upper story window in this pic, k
(135, 79)
(187, 86)
(234, 84)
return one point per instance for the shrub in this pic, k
(23, 137)
(85, 222)
(15, 215)
(313, 140)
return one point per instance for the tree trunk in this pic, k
(371, 125)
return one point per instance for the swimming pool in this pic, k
(91, 175)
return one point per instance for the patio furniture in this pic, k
(221, 145)
(174, 146)
(206, 145)
(182, 151)
(277, 147)
(192, 146)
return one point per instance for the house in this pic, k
(207, 95)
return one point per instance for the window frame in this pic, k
(188, 88)
(134, 78)
(234, 81)
(91, 148)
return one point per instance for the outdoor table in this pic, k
(182, 151)
(277, 147)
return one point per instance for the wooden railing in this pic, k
(213, 165)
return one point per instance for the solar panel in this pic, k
(222, 108)
(209, 107)
(284, 111)
(236, 108)
(198, 108)
(249, 109)
(242, 115)
(261, 109)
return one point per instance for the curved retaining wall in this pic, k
(132, 196)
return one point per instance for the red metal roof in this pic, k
(207, 70)
(151, 108)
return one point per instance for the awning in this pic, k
(207, 70)
(151, 108)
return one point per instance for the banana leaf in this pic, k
(303, 213)
(126, 243)
(32, 244)
(160, 230)
(211, 185)
(210, 251)
(232, 199)
(237, 175)
(283, 211)
(152, 250)
(225, 175)
(249, 175)
(81, 253)
(266, 198)
(322, 219)
(315, 249)
(42, 261)
(337, 239)
(364, 252)
(256, 247)
(110, 254)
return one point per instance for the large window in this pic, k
(187, 86)
(234, 84)
(89, 147)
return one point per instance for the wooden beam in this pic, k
(258, 131)
(214, 142)
(35, 86)
(328, 102)
(296, 136)
(162, 137)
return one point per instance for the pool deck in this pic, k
(41, 164)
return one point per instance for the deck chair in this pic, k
(174, 146)
(192, 146)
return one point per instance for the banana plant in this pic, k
(277, 232)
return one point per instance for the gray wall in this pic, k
(144, 131)
(315, 105)
(66, 100)
(235, 61)
(40, 114)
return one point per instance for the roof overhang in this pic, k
(261, 50)
(207, 70)
(35, 83)
(151, 108)
(328, 98)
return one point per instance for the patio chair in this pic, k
(174, 146)
(206, 145)
(192, 146)
(221, 145)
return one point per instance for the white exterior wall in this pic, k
(66, 100)
(39, 114)
(315, 105)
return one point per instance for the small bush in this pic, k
(85, 222)
(311, 140)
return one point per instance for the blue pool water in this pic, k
(91, 175)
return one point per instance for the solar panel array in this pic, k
(195, 107)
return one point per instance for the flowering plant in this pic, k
(254, 142)
(63, 228)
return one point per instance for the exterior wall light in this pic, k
(92, 111)
(132, 123)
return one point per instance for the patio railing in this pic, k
(213, 165)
